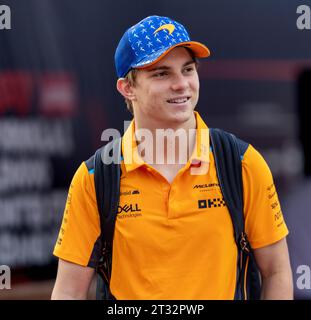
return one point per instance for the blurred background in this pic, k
(57, 94)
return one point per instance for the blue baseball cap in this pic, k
(150, 40)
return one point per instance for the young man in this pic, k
(166, 246)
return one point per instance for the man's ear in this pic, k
(125, 89)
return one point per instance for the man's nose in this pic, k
(179, 82)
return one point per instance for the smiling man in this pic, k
(173, 236)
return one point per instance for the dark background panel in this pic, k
(57, 82)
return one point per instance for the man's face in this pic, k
(168, 91)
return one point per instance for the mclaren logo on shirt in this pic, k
(206, 187)
(211, 203)
(202, 186)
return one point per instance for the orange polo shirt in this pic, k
(172, 241)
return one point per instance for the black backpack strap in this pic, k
(107, 186)
(228, 152)
(227, 155)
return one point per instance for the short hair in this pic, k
(132, 75)
(131, 78)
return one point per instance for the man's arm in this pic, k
(72, 281)
(274, 265)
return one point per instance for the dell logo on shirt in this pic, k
(128, 208)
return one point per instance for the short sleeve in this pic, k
(78, 236)
(264, 221)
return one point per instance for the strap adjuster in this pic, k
(244, 244)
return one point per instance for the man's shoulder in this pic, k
(82, 182)
(90, 162)
(241, 143)
(255, 166)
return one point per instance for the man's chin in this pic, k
(180, 116)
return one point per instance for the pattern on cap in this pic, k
(151, 35)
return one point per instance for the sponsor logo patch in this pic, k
(211, 203)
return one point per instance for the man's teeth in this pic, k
(181, 100)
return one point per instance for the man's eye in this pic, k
(189, 69)
(160, 74)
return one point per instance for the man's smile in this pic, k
(179, 100)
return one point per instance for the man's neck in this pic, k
(172, 143)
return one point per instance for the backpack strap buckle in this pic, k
(103, 267)
(244, 243)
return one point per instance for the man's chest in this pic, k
(168, 171)
(148, 200)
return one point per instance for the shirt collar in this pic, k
(202, 145)
(132, 159)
